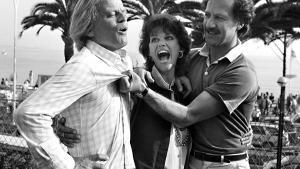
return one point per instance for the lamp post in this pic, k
(14, 56)
(282, 81)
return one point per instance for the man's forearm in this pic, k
(168, 109)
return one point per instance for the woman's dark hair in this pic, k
(167, 23)
(243, 12)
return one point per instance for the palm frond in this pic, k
(55, 15)
(45, 7)
(192, 4)
(38, 32)
(61, 3)
(276, 20)
(137, 5)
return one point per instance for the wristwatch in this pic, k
(144, 93)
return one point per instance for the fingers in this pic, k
(183, 85)
(98, 160)
(97, 165)
(144, 74)
(247, 139)
(67, 136)
(187, 86)
(149, 78)
(66, 131)
(248, 134)
(178, 84)
(246, 142)
(124, 84)
(74, 138)
(127, 73)
(137, 85)
(62, 120)
(98, 157)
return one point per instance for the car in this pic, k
(265, 135)
(287, 122)
(290, 124)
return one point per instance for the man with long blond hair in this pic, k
(84, 91)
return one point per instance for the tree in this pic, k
(190, 13)
(277, 21)
(57, 16)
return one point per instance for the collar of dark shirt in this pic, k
(231, 55)
(101, 52)
(159, 80)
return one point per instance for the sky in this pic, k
(43, 54)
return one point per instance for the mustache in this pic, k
(211, 30)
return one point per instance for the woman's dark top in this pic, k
(150, 133)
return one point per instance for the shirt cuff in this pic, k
(58, 155)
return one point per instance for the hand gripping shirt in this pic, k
(84, 91)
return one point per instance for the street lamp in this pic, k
(282, 81)
(14, 56)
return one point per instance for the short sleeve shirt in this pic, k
(231, 80)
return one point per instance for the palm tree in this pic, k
(57, 16)
(189, 11)
(278, 21)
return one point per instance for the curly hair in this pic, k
(167, 23)
(243, 12)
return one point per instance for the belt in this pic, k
(218, 158)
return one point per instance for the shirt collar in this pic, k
(159, 80)
(101, 52)
(231, 55)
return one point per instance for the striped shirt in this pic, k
(84, 91)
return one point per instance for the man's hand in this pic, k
(124, 83)
(247, 138)
(93, 161)
(131, 83)
(143, 74)
(183, 85)
(67, 136)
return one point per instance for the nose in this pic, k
(122, 16)
(162, 43)
(210, 23)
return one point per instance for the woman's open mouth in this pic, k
(163, 55)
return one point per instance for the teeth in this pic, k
(123, 29)
(162, 51)
(163, 55)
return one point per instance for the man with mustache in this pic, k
(84, 90)
(224, 90)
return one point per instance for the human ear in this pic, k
(180, 54)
